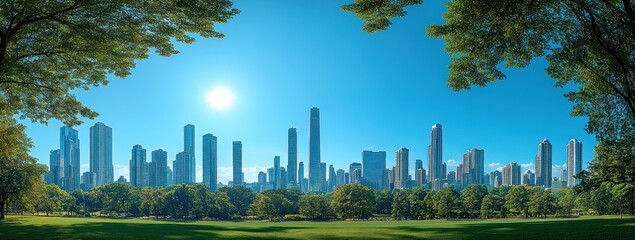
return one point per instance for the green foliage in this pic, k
(55, 199)
(384, 201)
(376, 14)
(491, 204)
(114, 199)
(472, 197)
(446, 202)
(263, 207)
(315, 207)
(49, 48)
(517, 200)
(401, 205)
(353, 201)
(19, 174)
(240, 197)
(566, 201)
(541, 202)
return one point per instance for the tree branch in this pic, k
(27, 83)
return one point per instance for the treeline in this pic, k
(351, 201)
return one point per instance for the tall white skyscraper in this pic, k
(543, 164)
(435, 153)
(101, 153)
(315, 180)
(401, 169)
(574, 162)
(69, 155)
(210, 161)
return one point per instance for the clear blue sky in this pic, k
(378, 91)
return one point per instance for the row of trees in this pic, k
(351, 201)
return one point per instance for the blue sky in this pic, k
(379, 91)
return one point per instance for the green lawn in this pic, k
(604, 227)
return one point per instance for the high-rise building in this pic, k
(332, 178)
(529, 178)
(188, 147)
(511, 174)
(292, 156)
(56, 171)
(303, 187)
(496, 178)
(563, 175)
(459, 173)
(418, 164)
(574, 162)
(473, 167)
(435, 162)
(101, 153)
(210, 161)
(352, 167)
(451, 176)
(170, 177)
(262, 180)
(89, 181)
(182, 171)
(283, 178)
(315, 182)
(277, 179)
(69, 155)
(373, 165)
(356, 176)
(323, 176)
(421, 177)
(159, 169)
(340, 177)
(138, 166)
(543, 164)
(444, 170)
(401, 168)
(237, 163)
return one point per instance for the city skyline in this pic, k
(374, 94)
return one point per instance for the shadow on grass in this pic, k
(581, 228)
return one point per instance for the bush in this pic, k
(295, 217)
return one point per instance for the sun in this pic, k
(220, 98)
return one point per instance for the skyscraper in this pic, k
(574, 162)
(303, 186)
(237, 155)
(182, 170)
(401, 168)
(57, 168)
(529, 178)
(543, 164)
(262, 180)
(436, 153)
(473, 167)
(496, 178)
(159, 168)
(277, 179)
(323, 176)
(340, 178)
(137, 166)
(332, 178)
(210, 161)
(170, 178)
(315, 182)
(511, 174)
(292, 155)
(101, 153)
(188, 147)
(69, 155)
(373, 166)
(351, 169)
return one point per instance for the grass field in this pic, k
(32, 227)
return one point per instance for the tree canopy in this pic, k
(49, 48)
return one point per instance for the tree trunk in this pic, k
(3, 202)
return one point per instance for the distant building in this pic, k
(340, 178)
(352, 167)
(356, 176)
(101, 153)
(529, 178)
(210, 161)
(237, 163)
(190, 160)
(303, 186)
(421, 177)
(56, 171)
(473, 167)
(401, 168)
(435, 150)
(323, 176)
(373, 165)
(170, 177)
(315, 180)
(277, 178)
(496, 178)
(262, 180)
(292, 156)
(558, 184)
(332, 178)
(138, 167)
(69, 155)
(511, 174)
(574, 162)
(158, 169)
(122, 179)
(89, 181)
(544, 164)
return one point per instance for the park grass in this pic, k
(587, 227)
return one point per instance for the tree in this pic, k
(541, 202)
(517, 200)
(566, 201)
(353, 201)
(115, 198)
(428, 205)
(446, 202)
(19, 173)
(240, 197)
(587, 43)
(286, 200)
(263, 207)
(49, 48)
(383, 203)
(180, 201)
(417, 199)
(491, 204)
(401, 205)
(622, 193)
(54, 200)
(220, 207)
(473, 197)
(315, 207)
